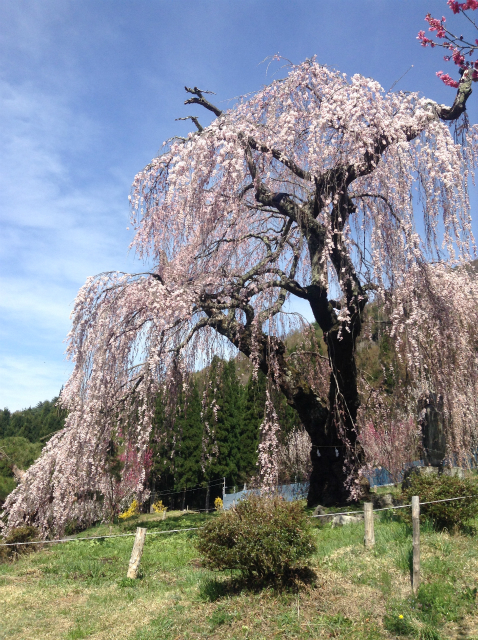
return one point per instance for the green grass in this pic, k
(79, 589)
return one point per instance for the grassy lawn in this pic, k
(80, 590)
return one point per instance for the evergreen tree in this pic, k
(252, 417)
(188, 471)
(4, 422)
(216, 436)
(163, 465)
(222, 422)
(34, 423)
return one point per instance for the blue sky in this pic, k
(89, 90)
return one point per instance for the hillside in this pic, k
(35, 423)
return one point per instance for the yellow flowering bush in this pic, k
(218, 504)
(133, 510)
(158, 507)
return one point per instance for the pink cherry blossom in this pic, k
(307, 188)
(447, 80)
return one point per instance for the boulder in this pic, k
(454, 472)
(383, 501)
(422, 471)
(340, 521)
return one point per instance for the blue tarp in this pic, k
(298, 490)
(289, 492)
(380, 477)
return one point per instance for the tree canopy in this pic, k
(35, 423)
(318, 186)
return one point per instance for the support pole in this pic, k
(416, 543)
(369, 538)
(207, 497)
(152, 501)
(136, 553)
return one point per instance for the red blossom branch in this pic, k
(456, 44)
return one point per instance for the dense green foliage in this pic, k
(445, 515)
(22, 436)
(205, 425)
(223, 422)
(213, 431)
(254, 400)
(15, 451)
(22, 535)
(265, 538)
(34, 424)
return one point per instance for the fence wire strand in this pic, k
(149, 533)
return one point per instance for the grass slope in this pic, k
(79, 589)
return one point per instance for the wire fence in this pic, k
(116, 535)
(127, 535)
(398, 506)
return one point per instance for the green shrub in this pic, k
(7, 485)
(449, 515)
(18, 451)
(264, 538)
(19, 534)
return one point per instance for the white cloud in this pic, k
(29, 380)
(60, 223)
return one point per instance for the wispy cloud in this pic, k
(58, 227)
(89, 90)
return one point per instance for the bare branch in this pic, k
(195, 120)
(308, 353)
(201, 100)
(278, 155)
(459, 105)
(378, 195)
(203, 322)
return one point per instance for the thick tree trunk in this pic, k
(329, 423)
(335, 453)
(327, 481)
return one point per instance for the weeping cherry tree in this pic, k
(318, 187)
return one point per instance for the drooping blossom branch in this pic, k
(294, 457)
(391, 445)
(267, 460)
(434, 322)
(305, 189)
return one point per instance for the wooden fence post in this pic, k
(369, 538)
(416, 543)
(136, 553)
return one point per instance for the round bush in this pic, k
(25, 533)
(264, 538)
(445, 515)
